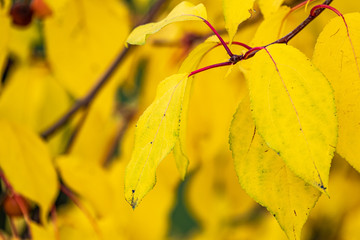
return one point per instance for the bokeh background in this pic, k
(52, 53)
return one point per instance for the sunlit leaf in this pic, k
(266, 178)
(235, 12)
(87, 180)
(82, 38)
(334, 56)
(294, 111)
(26, 163)
(268, 7)
(155, 136)
(185, 11)
(189, 64)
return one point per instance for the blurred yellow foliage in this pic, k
(151, 123)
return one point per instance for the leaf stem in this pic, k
(217, 34)
(209, 67)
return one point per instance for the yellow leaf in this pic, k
(4, 33)
(82, 38)
(235, 12)
(185, 11)
(33, 98)
(294, 111)
(269, 7)
(268, 31)
(334, 56)
(26, 163)
(266, 178)
(155, 136)
(88, 180)
(189, 64)
(39, 232)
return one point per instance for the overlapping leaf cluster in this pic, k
(290, 108)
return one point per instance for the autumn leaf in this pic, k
(155, 137)
(268, 7)
(185, 11)
(82, 38)
(190, 63)
(235, 12)
(26, 162)
(89, 181)
(266, 178)
(293, 108)
(335, 57)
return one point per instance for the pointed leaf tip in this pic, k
(235, 12)
(294, 111)
(155, 136)
(266, 178)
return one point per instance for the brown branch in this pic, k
(301, 26)
(293, 33)
(87, 99)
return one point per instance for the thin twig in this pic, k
(301, 26)
(85, 101)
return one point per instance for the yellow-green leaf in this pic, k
(269, 7)
(190, 64)
(185, 11)
(294, 111)
(235, 12)
(334, 56)
(155, 136)
(26, 162)
(266, 178)
(88, 180)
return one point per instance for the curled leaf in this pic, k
(185, 11)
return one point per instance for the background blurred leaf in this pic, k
(26, 162)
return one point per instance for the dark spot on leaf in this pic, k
(266, 150)
(133, 191)
(151, 142)
(295, 213)
(164, 114)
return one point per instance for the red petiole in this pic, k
(209, 67)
